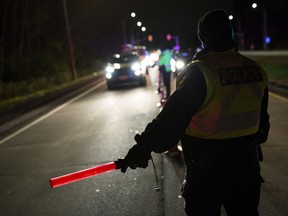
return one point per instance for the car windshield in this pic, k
(125, 59)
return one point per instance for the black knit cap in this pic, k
(215, 30)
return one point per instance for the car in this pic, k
(125, 70)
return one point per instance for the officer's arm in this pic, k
(166, 129)
(264, 119)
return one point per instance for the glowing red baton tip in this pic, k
(82, 174)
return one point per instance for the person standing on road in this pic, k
(164, 64)
(219, 112)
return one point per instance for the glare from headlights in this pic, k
(109, 69)
(180, 65)
(137, 73)
(173, 65)
(116, 65)
(108, 75)
(136, 66)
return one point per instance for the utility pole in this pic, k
(2, 47)
(70, 43)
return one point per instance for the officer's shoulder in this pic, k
(190, 70)
(248, 61)
(191, 67)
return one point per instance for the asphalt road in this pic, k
(97, 127)
(83, 132)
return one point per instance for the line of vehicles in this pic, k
(131, 65)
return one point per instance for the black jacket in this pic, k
(168, 128)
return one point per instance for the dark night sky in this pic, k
(37, 29)
(176, 17)
(159, 17)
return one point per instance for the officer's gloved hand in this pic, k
(137, 156)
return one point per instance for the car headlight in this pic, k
(109, 69)
(108, 75)
(136, 66)
(137, 72)
(180, 64)
(116, 65)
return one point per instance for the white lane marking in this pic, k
(278, 97)
(50, 113)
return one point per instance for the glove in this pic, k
(137, 156)
(262, 135)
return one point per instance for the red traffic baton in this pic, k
(82, 174)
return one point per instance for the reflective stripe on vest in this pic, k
(234, 95)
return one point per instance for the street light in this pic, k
(239, 33)
(254, 5)
(133, 30)
(264, 26)
(132, 15)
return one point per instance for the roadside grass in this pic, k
(276, 69)
(16, 93)
(276, 66)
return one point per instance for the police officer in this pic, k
(219, 112)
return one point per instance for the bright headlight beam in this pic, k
(108, 75)
(136, 66)
(179, 64)
(137, 72)
(116, 65)
(109, 69)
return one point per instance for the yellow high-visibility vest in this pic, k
(235, 88)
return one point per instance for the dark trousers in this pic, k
(166, 75)
(221, 175)
(167, 82)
